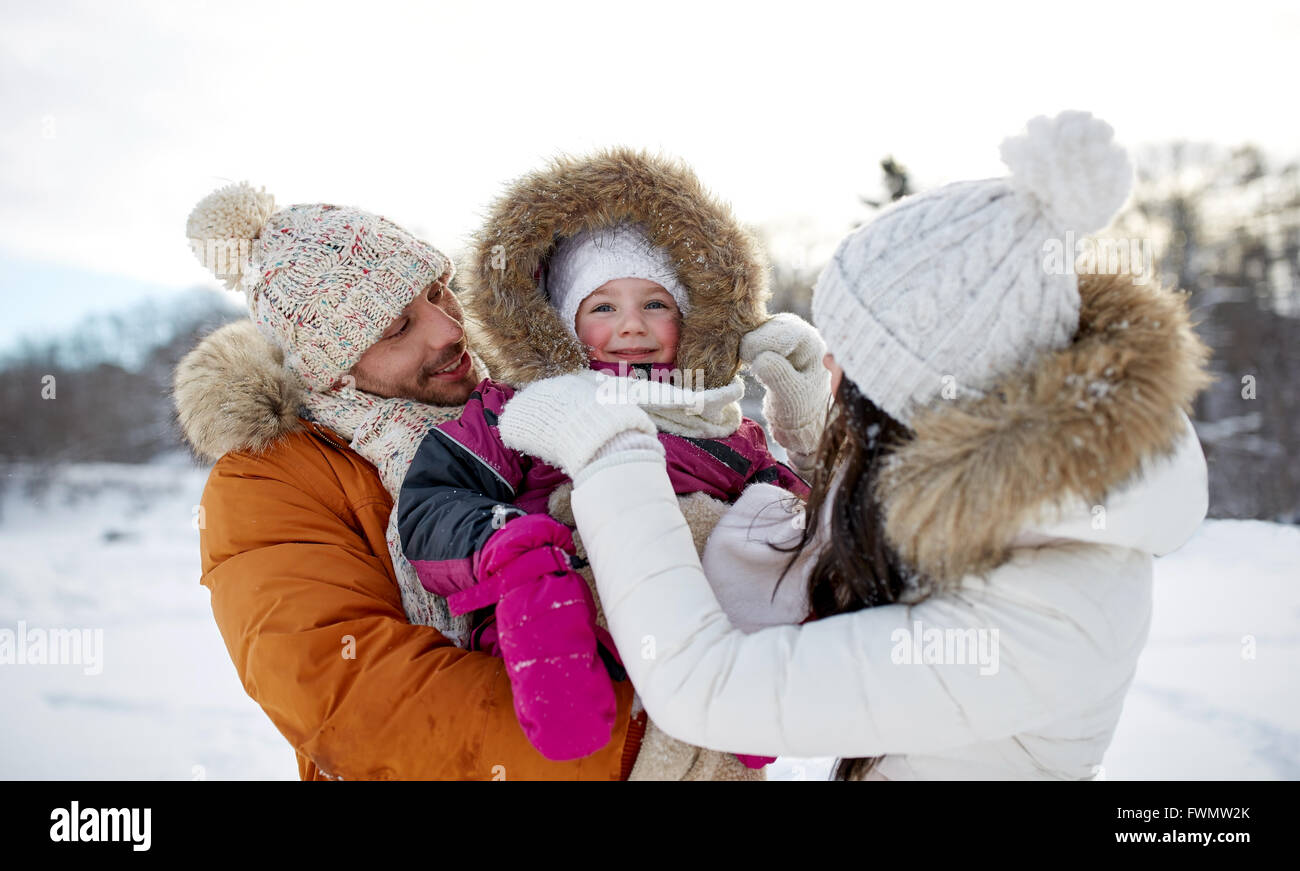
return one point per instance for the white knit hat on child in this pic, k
(586, 260)
(952, 289)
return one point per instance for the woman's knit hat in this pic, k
(586, 260)
(946, 291)
(323, 282)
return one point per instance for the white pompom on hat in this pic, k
(223, 226)
(947, 291)
(1072, 167)
(586, 260)
(323, 282)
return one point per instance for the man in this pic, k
(348, 310)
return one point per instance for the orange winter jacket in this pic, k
(306, 598)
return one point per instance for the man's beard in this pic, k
(423, 386)
(432, 391)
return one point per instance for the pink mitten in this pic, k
(546, 630)
(755, 761)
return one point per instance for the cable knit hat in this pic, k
(586, 260)
(946, 291)
(323, 282)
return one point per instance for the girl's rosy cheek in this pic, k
(590, 333)
(669, 332)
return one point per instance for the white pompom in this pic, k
(224, 224)
(1073, 167)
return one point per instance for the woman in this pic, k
(1009, 447)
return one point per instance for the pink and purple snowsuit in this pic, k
(464, 485)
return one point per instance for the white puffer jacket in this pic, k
(1052, 598)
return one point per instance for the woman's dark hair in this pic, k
(855, 568)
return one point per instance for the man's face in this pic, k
(423, 355)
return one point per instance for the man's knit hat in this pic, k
(586, 260)
(323, 282)
(946, 291)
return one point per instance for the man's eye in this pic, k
(435, 293)
(401, 331)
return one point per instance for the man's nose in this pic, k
(444, 330)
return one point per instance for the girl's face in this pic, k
(629, 319)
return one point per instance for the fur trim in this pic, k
(663, 757)
(232, 392)
(1078, 421)
(717, 260)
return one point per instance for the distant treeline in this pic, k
(1223, 225)
(101, 391)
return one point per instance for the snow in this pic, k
(1203, 703)
(114, 547)
(1198, 709)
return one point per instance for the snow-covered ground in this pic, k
(114, 548)
(1217, 692)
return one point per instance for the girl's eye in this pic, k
(656, 302)
(603, 305)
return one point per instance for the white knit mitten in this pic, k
(742, 569)
(785, 354)
(565, 420)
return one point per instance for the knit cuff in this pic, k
(628, 440)
(804, 463)
(795, 432)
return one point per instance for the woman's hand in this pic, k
(565, 420)
(785, 354)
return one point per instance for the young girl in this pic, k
(593, 287)
(1010, 449)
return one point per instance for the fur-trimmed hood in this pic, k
(717, 261)
(233, 392)
(1093, 421)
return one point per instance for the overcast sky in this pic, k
(118, 117)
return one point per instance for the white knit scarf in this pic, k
(711, 413)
